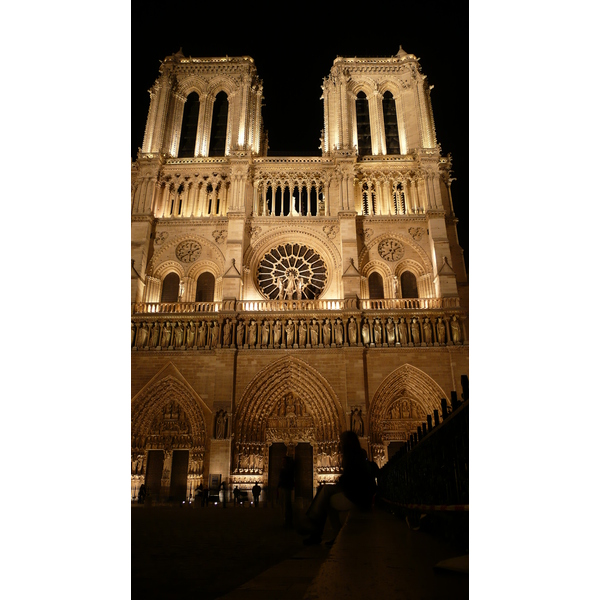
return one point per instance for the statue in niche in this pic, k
(221, 423)
(441, 330)
(289, 332)
(265, 333)
(414, 330)
(390, 331)
(327, 333)
(395, 286)
(227, 333)
(352, 330)
(455, 328)
(166, 335)
(277, 333)
(280, 291)
(202, 335)
(366, 334)
(154, 335)
(240, 334)
(395, 412)
(402, 332)
(314, 333)
(181, 290)
(214, 335)
(142, 336)
(178, 331)
(406, 412)
(339, 332)
(190, 334)
(357, 422)
(377, 332)
(299, 286)
(252, 333)
(427, 331)
(302, 333)
(290, 406)
(132, 333)
(299, 407)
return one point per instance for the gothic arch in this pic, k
(268, 389)
(169, 266)
(407, 241)
(166, 389)
(376, 266)
(194, 83)
(406, 382)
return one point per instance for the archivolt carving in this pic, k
(410, 265)
(193, 83)
(267, 392)
(407, 383)
(167, 267)
(201, 266)
(406, 240)
(167, 395)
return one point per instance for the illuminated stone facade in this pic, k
(277, 301)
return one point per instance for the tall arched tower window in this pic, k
(205, 288)
(363, 125)
(170, 288)
(390, 123)
(408, 285)
(375, 286)
(189, 125)
(218, 130)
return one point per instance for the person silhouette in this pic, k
(355, 489)
(256, 493)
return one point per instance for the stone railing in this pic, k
(302, 324)
(247, 306)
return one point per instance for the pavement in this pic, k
(246, 553)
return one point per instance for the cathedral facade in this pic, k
(278, 301)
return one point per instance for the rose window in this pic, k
(292, 271)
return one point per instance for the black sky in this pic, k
(293, 51)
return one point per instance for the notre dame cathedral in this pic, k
(278, 301)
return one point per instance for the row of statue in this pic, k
(250, 333)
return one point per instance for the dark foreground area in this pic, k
(204, 552)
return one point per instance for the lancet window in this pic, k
(283, 199)
(189, 126)
(390, 123)
(369, 198)
(408, 285)
(205, 288)
(375, 286)
(399, 199)
(170, 288)
(218, 130)
(363, 125)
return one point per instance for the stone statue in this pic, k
(395, 286)
(202, 335)
(142, 337)
(289, 288)
(366, 334)
(390, 330)
(352, 330)
(220, 429)
(227, 333)
(178, 331)
(314, 333)
(377, 331)
(299, 286)
(357, 422)
(289, 331)
(414, 329)
(455, 328)
(280, 291)
(441, 330)
(302, 333)
(326, 333)
(190, 334)
(402, 332)
(252, 333)
(265, 333)
(181, 289)
(132, 333)
(427, 331)
(166, 335)
(276, 333)
(214, 335)
(339, 332)
(240, 334)
(154, 336)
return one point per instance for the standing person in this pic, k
(142, 494)
(236, 496)
(256, 493)
(286, 484)
(355, 488)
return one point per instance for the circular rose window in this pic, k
(292, 271)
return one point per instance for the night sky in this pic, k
(294, 52)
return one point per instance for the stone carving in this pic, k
(202, 335)
(377, 332)
(414, 330)
(339, 332)
(455, 328)
(161, 237)
(252, 333)
(227, 326)
(327, 333)
(395, 286)
(220, 235)
(190, 334)
(314, 333)
(154, 336)
(402, 332)
(188, 251)
(416, 232)
(390, 330)
(142, 335)
(357, 422)
(427, 331)
(331, 231)
(178, 335)
(352, 331)
(302, 333)
(441, 330)
(390, 250)
(254, 230)
(265, 333)
(214, 335)
(289, 333)
(277, 333)
(240, 334)
(366, 334)
(166, 335)
(221, 424)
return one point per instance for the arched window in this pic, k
(408, 285)
(189, 126)
(218, 130)
(363, 125)
(170, 288)
(390, 124)
(399, 199)
(205, 288)
(375, 286)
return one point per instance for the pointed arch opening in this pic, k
(390, 124)
(189, 126)
(363, 125)
(218, 130)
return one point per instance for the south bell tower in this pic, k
(277, 301)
